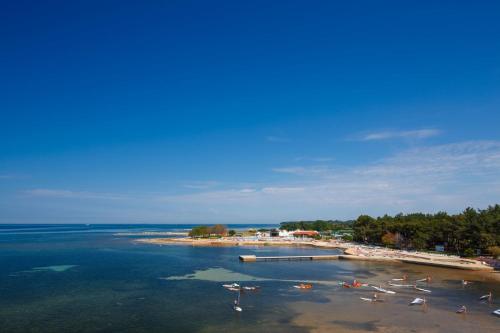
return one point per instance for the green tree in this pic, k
(464, 233)
(361, 228)
(200, 231)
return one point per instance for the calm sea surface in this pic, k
(77, 278)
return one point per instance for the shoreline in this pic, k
(351, 251)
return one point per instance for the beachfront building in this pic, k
(262, 234)
(281, 233)
(275, 233)
(305, 234)
(285, 234)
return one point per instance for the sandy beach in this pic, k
(352, 251)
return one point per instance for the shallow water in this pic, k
(85, 279)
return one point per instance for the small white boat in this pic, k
(250, 288)
(424, 290)
(462, 309)
(404, 278)
(417, 301)
(233, 289)
(496, 312)
(382, 290)
(401, 285)
(485, 297)
(371, 299)
(232, 285)
(425, 279)
(237, 308)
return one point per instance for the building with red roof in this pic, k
(305, 233)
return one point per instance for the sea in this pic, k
(96, 278)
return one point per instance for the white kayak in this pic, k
(417, 301)
(496, 312)
(400, 279)
(382, 290)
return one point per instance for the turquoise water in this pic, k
(86, 279)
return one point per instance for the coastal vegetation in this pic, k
(319, 225)
(205, 231)
(469, 233)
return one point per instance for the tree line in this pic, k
(318, 225)
(468, 233)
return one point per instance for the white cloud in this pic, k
(57, 193)
(445, 177)
(303, 171)
(200, 185)
(314, 159)
(412, 134)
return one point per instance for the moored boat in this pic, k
(232, 285)
(303, 286)
(418, 301)
(382, 290)
(401, 285)
(422, 289)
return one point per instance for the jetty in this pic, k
(253, 258)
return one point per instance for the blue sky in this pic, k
(230, 111)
